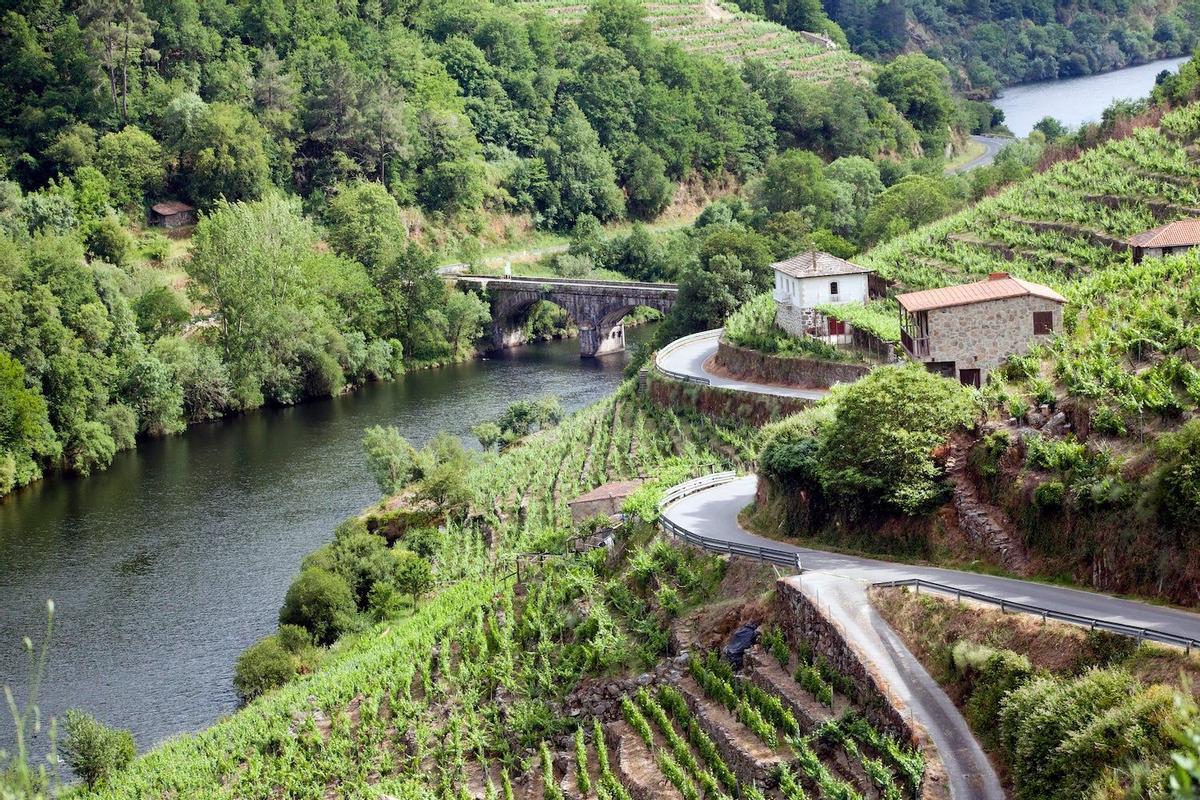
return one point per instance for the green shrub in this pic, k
(263, 666)
(1049, 496)
(320, 602)
(990, 675)
(92, 749)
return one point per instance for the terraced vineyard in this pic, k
(1131, 329)
(710, 27)
(709, 733)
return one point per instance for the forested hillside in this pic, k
(988, 44)
(332, 154)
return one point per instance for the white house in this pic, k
(812, 279)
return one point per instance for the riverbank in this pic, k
(211, 525)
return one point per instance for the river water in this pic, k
(167, 565)
(1077, 100)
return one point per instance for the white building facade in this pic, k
(814, 279)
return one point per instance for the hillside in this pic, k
(991, 45)
(713, 28)
(1084, 453)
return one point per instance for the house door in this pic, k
(969, 377)
(837, 327)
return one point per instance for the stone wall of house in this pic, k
(794, 319)
(807, 373)
(981, 335)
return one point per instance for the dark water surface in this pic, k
(167, 565)
(1075, 101)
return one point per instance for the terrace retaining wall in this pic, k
(798, 371)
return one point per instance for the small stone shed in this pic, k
(606, 499)
(1174, 237)
(966, 331)
(172, 214)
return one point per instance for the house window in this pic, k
(1043, 322)
(833, 288)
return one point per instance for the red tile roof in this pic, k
(1000, 286)
(170, 207)
(608, 491)
(1181, 233)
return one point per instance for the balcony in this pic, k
(917, 347)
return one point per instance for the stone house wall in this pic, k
(981, 335)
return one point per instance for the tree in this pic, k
(646, 185)
(414, 576)
(26, 436)
(159, 313)
(320, 602)
(795, 181)
(224, 156)
(390, 458)
(442, 466)
(263, 666)
(581, 178)
(93, 750)
(488, 434)
(364, 222)
(467, 315)
(120, 34)
(132, 161)
(914, 201)
(919, 88)
(892, 463)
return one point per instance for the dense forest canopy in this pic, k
(988, 44)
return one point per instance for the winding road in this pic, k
(992, 146)
(838, 583)
(685, 359)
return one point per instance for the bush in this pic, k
(991, 675)
(320, 602)
(263, 666)
(1049, 496)
(93, 750)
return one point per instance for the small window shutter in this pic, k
(1043, 322)
(833, 287)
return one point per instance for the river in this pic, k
(1075, 101)
(167, 565)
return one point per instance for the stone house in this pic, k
(606, 500)
(811, 279)
(966, 331)
(1174, 237)
(172, 214)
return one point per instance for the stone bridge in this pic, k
(597, 307)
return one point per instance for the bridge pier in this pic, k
(599, 340)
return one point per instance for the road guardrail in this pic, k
(680, 342)
(1092, 623)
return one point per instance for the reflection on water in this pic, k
(165, 566)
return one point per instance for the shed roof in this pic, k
(815, 264)
(169, 207)
(608, 491)
(1181, 233)
(998, 286)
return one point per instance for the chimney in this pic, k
(997, 276)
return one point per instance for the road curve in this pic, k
(687, 357)
(714, 513)
(992, 147)
(837, 583)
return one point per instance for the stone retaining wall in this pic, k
(805, 373)
(719, 403)
(803, 621)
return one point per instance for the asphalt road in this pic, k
(992, 146)
(838, 583)
(714, 513)
(688, 359)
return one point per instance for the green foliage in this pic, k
(390, 458)
(319, 601)
(753, 326)
(263, 666)
(990, 675)
(94, 751)
(1178, 475)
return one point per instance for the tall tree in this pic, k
(120, 33)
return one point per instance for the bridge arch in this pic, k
(597, 307)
